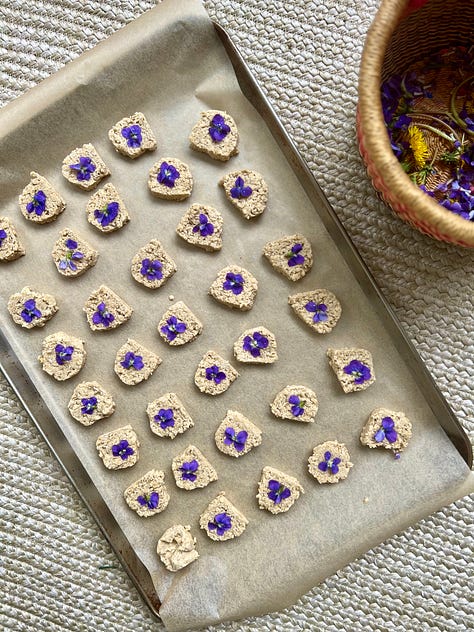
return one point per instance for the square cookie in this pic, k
(387, 429)
(170, 179)
(10, 246)
(202, 226)
(246, 190)
(330, 462)
(168, 416)
(192, 470)
(148, 496)
(72, 255)
(221, 520)
(297, 403)
(132, 136)
(237, 435)
(118, 448)
(277, 491)
(216, 135)
(134, 363)
(62, 355)
(353, 368)
(105, 310)
(256, 346)
(39, 201)
(179, 325)
(319, 309)
(152, 266)
(214, 375)
(29, 308)
(90, 402)
(84, 167)
(176, 547)
(291, 256)
(235, 287)
(106, 210)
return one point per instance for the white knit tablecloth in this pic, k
(305, 55)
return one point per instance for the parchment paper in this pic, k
(170, 65)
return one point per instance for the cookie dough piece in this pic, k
(84, 167)
(319, 309)
(221, 520)
(216, 135)
(132, 136)
(277, 491)
(170, 179)
(297, 403)
(39, 201)
(247, 190)
(235, 287)
(291, 256)
(202, 226)
(62, 355)
(118, 449)
(214, 375)
(256, 346)
(106, 210)
(152, 266)
(330, 462)
(168, 416)
(31, 309)
(237, 435)
(134, 363)
(10, 245)
(179, 325)
(105, 310)
(148, 496)
(72, 255)
(192, 470)
(176, 547)
(353, 368)
(387, 429)
(90, 402)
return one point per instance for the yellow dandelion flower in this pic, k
(418, 146)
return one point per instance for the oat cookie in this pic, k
(235, 287)
(237, 435)
(353, 368)
(118, 449)
(214, 375)
(192, 470)
(277, 491)
(256, 346)
(90, 402)
(84, 167)
(148, 496)
(247, 190)
(291, 256)
(387, 429)
(330, 462)
(39, 201)
(179, 325)
(202, 226)
(132, 136)
(168, 416)
(176, 547)
(62, 355)
(170, 179)
(135, 363)
(10, 245)
(319, 309)
(152, 266)
(29, 308)
(297, 403)
(105, 310)
(216, 135)
(221, 520)
(106, 210)
(72, 255)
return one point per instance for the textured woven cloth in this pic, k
(56, 570)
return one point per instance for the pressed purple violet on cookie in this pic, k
(132, 136)
(277, 491)
(247, 191)
(118, 449)
(134, 363)
(105, 310)
(30, 309)
(152, 266)
(168, 417)
(330, 462)
(170, 179)
(10, 245)
(296, 403)
(39, 201)
(216, 135)
(256, 346)
(319, 309)
(387, 429)
(84, 167)
(221, 519)
(214, 375)
(353, 368)
(179, 325)
(62, 355)
(72, 255)
(237, 435)
(202, 226)
(291, 256)
(192, 470)
(235, 287)
(106, 210)
(90, 402)
(148, 496)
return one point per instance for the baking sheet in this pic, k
(170, 65)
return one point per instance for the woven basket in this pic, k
(404, 31)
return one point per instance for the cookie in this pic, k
(152, 266)
(39, 201)
(353, 368)
(10, 246)
(237, 435)
(202, 226)
(105, 310)
(330, 462)
(90, 402)
(235, 287)
(296, 403)
(106, 210)
(179, 325)
(221, 520)
(62, 356)
(277, 491)
(387, 429)
(192, 470)
(256, 346)
(134, 363)
(29, 308)
(148, 496)
(168, 416)
(84, 167)
(291, 256)
(132, 136)
(72, 255)
(319, 309)
(216, 135)
(170, 179)
(246, 190)
(176, 547)
(214, 375)
(118, 449)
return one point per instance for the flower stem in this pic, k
(452, 105)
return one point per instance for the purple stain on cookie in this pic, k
(237, 439)
(122, 449)
(133, 135)
(150, 501)
(167, 175)
(214, 374)
(233, 283)
(173, 328)
(277, 491)
(359, 371)
(37, 204)
(165, 417)
(3, 236)
(188, 470)
(152, 269)
(386, 431)
(63, 354)
(319, 311)
(329, 464)
(84, 168)
(107, 214)
(255, 343)
(204, 226)
(220, 524)
(30, 311)
(239, 190)
(102, 316)
(218, 128)
(294, 257)
(89, 404)
(297, 405)
(132, 361)
(72, 255)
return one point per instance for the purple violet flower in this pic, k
(89, 404)
(239, 190)
(165, 417)
(188, 470)
(234, 283)
(204, 227)
(331, 464)
(102, 316)
(107, 214)
(37, 204)
(30, 311)
(149, 500)
(123, 449)
(358, 370)
(386, 431)
(173, 327)
(297, 405)
(152, 270)
(3, 235)
(83, 168)
(319, 310)
(133, 135)
(63, 354)
(294, 257)
(238, 439)
(255, 343)
(72, 255)
(277, 491)
(222, 522)
(213, 373)
(218, 129)
(132, 361)
(167, 175)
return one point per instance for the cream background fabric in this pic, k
(305, 54)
